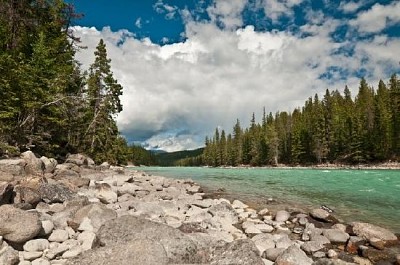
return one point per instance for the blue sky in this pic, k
(190, 66)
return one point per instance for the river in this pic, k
(355, 195)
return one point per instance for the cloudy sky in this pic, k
(189, 66)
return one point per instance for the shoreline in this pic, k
(82, 212)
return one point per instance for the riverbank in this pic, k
(79, 213)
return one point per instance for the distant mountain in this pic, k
(169, 159)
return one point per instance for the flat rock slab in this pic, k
(242, 251)
(138, 252)
(179, 247)
(369, 231)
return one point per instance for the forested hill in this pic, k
(334, 129)
(180, 158)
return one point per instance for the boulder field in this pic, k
(79, 213)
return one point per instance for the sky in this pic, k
(190, 66)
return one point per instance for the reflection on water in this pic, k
(370, 196)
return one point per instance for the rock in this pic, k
(311, 246)
(236, 204)
(336, 236)
(105, 193)
(97, 213)
(47, 228)
(71, 178)
(369, 231)
(138, 252)
(362, 261)
(273, 253)
(58, 235)
(26, 195)
(8, 255)
(321, 239)
(224, 210)
(104, 166)
(377, 243)
(320, 214)
(332, 262)
(49, 164)
(6, 192)
(12, 169)
(241, 251)
(354, 243)
(282, 216)
(179, 247)
(293, 256)
(283, 241)
(87, 239)
(18, 226)
(332, 254)
(31, 255)
(264, 228)
(263, 242)
(73, 252)
(41, 262)
(267, 262)
(77, 159)
(264, 211)
(54, 193)
(36, 245)
(319, 255)
(398, 259)
(34, 166)
(375, 255)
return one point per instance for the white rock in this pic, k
(87, 240)
(263, 211)
(252, 230)
(239, 205)
(264, 242)
(73, 252)
(282, 216)
(36, 245)
(41, 262)
(86, 225)
(47, 227)
(264, 228)
(58, 235)
(31, 255)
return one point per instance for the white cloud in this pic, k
(377, 18)
(274, 9)
(350, 7)
(227, 12)
(138, 23)
(176, 94)
(162, 8)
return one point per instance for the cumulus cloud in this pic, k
(176, 94)
(227, 12)
(377, 18)
(274, 9)
(350, 7)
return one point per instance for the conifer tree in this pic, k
(103, 93)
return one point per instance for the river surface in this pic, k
(355, 195)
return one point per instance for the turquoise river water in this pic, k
(355, 195)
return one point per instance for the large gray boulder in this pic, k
(137, 252)
(18, 226)
(79, 160)
(293, 256)
(25, 194)
(242, 251)
(50, 164)
(34, 166)
(224, 210)
(53, 193)
(96, 214)
(12, 169)
(120, 231)
(336, 235)
(370, 231)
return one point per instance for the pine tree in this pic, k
(103, 93)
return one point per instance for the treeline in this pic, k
(335, 129)
(48, 104)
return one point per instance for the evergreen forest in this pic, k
(333, 129)
(48, 104)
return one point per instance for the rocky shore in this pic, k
(80, 213)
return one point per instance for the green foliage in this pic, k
(334, 129)
(181, 158)
(45, 104)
